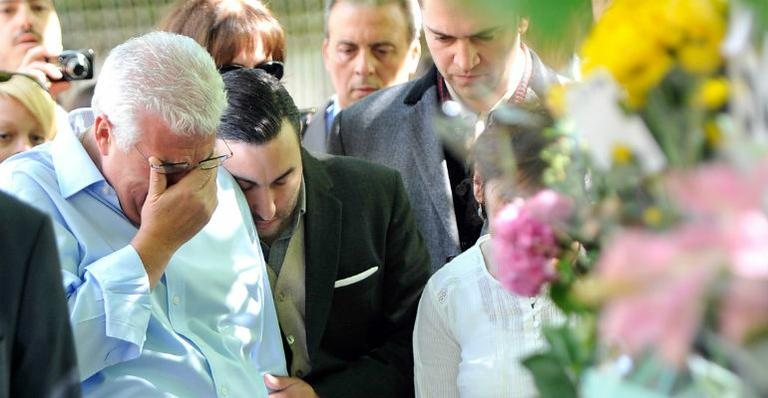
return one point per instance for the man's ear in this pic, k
(326, 54)
(414, 56)
(102, 134)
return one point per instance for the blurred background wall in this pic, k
(102, 24)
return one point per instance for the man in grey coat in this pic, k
(480, 64)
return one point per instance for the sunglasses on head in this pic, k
(5, 76)
(274, 68)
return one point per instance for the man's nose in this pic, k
(365, 62)
(466, 56)
(263, 204)
(24, 16)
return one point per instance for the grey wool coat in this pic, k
(395, 127)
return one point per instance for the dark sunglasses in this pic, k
(5, 76)
(274, 68)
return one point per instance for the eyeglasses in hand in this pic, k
(181, 167)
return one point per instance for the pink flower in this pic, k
(744, 309)
(550, 207)
(524, 243)
(719, 189)
(663, 318)
(746, 238)
(660, 283)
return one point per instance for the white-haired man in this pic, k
(166, 284)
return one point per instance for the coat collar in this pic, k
(420, 86)
(542, 77)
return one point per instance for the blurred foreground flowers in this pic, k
(661, 155)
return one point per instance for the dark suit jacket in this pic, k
(395, 127)
(37, 356)
(359, 336)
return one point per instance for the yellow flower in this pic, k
(640, 41)
(702, 24)
(712, 94)
(556, 99)
(700, 58)
(621, 155)
(652, 216)
(713, 134)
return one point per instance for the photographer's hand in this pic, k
(35, 63)
(172, 215)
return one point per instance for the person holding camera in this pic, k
(30, 38)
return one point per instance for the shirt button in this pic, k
(290, 339)
(176, 300)
(224, 391)
(281, 297)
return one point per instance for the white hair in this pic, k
(165, 74)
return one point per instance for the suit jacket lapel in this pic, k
(322, 242)
(430, 159)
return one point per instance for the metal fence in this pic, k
(102, 24)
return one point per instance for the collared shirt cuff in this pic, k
(125, 289)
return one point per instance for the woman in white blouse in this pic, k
(470, 333)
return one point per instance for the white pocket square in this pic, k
(355, 278)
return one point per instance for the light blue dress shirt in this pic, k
(208, 328)
(331, 112)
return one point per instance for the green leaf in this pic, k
(555, 27)
(562, 344)
(759, 9)
(549, 376)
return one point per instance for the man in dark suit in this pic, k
(346, 261)
(37, 355)
(368, 45)
(480, 65)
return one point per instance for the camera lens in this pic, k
(76, 67)
(76, 64)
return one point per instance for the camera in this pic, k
(76, 64)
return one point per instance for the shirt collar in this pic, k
(331, 112)
(335, 107)
(75, 170)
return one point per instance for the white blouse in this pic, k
(470, 333)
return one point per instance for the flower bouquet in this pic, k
(656, 210)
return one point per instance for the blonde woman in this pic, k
(27, 114)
